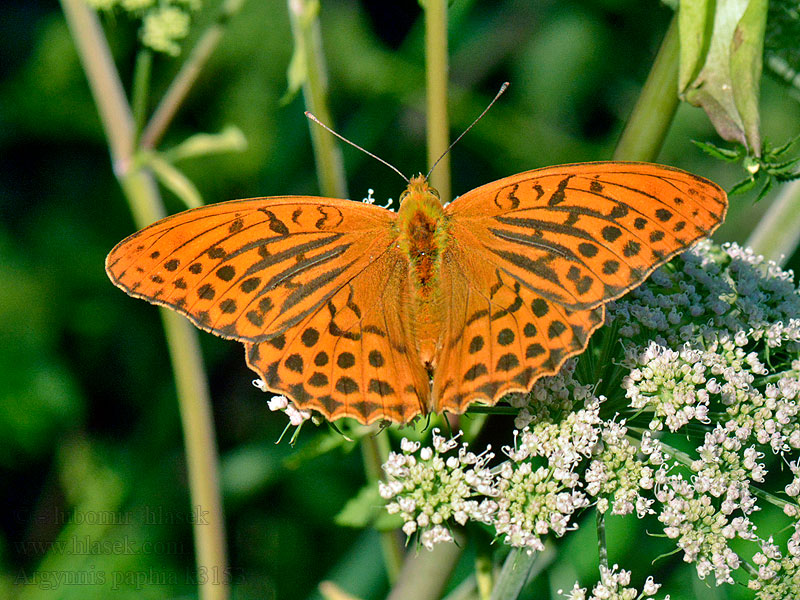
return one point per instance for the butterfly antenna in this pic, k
(503, 88)
(354, 145)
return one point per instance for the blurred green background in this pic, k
(92, 470)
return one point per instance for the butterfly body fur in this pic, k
(422, 237)
(352, 310)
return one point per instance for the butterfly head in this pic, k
(419, 189)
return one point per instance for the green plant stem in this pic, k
(425, 573)
(194, 403)
(187, 76)
(655, 109)
(304, 18)
(515, 572)
(777, 234)
(602, 548)
(106, 87)
(375, 452)
(484, 573)
(520, 567)
(436, 74)
(142, 194)
(141, 87)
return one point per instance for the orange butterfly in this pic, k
(355, 311)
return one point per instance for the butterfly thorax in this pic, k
(420, 223)
(422, 233)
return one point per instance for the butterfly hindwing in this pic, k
(498, 335)
(355, 355)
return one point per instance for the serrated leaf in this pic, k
(765, 190)
(717, 152)
(743, 186)
(785, 147)
(777, 167)
(787, 177)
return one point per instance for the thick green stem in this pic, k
(194, 402)
(187, 76)
(436, 73)
(141, 86)
(602, 548)
(304, 16)
(195, 406)
(515, 572)
(654, 110)
(375, 451)
(519, 568)
(777, 234)
(426, 573)
(107, 90)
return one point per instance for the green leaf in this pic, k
(230, 139)
(743, 186)
(302, 14)
(747, 49)
(765, 190)
(695, 18)
(175, 181)
(782, 167)
(362, 509)
(783, 177)
(726, 86)
(717, 152)
(785, 147)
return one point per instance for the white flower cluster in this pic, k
(710, 353)
(165, 23)
(534, 493)
(778, 574)
(709, 290)
(620, 472)
(535, 499)
(430, 490)
(678, 385)
(614, 585)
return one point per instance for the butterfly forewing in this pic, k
(582, 234)
(250, 269)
